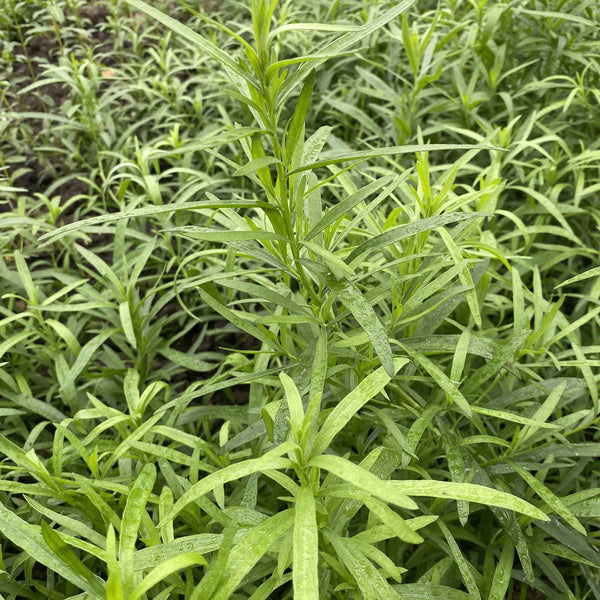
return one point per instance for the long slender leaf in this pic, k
(351, 404)
(306, 547)
(470, 493)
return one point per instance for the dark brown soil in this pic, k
(30, 180)
(40, 49)
(71, 188)
(95, 13)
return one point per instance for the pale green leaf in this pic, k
(132, 518)
(162, 571)
(385, 490)
(469, 492)
(306, 547)
(367, 389)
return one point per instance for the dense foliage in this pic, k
(299, 299)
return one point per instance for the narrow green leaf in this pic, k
(502, 574)
(571, 538)
(393, 429)
(189, 361)
(13, 340)
(456, 466)
(24, 275)
(306, 547)
(162, 571)
(344, 207)
(396, 234)
(503, 355)
(154, 556)
(103, 269)
(114, 588)
(369, 580)
(426, 591)
(520, 317)
(146, 211)
(509, 416)
(66, 334)
(363, 312)
(463, 565)
(441, 379)
(250, 549)
(317, 383)
(393, 520)
(335, 157)
(255, 331)
(469, 492)
(544, 412)
(294, 401)
(26, 536)
(127, 323)
(464, 275)
(553, 501)
(295, 133)
(380, 533)
(69, 523)
(338, 268)
(132, 517)
(255, 165)
(271, 460)
(363, 480)
(581, 277)
(562, 16)
(367, 389)
(220, 235)
(68, 556)
(219, 138)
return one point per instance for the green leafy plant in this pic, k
(299, 300)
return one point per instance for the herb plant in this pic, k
(299, 300)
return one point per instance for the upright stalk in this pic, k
(262, 12)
